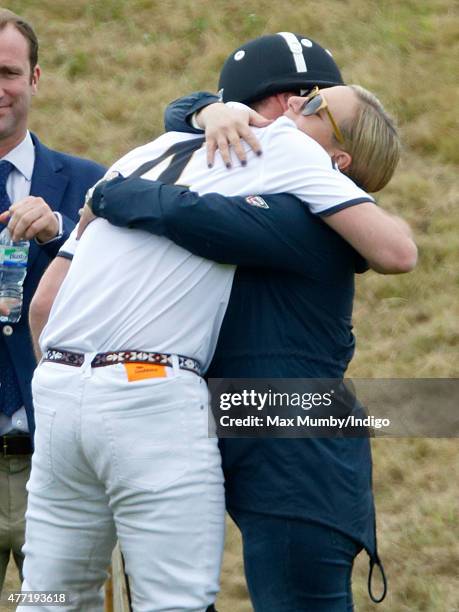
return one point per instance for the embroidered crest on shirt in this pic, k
(256, 201)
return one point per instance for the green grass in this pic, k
(110, 67)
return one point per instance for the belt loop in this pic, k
(175, 364)
(87, 364)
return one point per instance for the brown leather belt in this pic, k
(106, 359)
(13, 444)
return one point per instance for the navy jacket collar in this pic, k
(48, 181)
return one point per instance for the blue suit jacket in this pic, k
(62, 181)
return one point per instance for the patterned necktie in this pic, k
(10, 393)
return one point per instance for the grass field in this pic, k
(109, 69)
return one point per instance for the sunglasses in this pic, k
(315, 102)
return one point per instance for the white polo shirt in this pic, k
(129, 290)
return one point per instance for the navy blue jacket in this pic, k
(289, 315)
(178, 113)
(62, 181)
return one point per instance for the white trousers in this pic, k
(127, 460)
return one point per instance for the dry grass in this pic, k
(109, 68)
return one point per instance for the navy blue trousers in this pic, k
(295, 566)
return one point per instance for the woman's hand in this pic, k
(225, 127)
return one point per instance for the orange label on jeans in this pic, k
(142, 371)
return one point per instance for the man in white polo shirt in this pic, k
(122, 444)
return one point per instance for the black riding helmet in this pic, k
(275, 63)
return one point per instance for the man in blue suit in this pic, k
(40, 193)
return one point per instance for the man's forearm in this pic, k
(42, 301)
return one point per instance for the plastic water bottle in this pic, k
(13, 268)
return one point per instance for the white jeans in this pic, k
(127, 460)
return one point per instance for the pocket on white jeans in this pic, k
(150, 447)
(42, 461)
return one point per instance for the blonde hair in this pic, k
(372, 141)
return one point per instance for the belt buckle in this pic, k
(5, 447)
